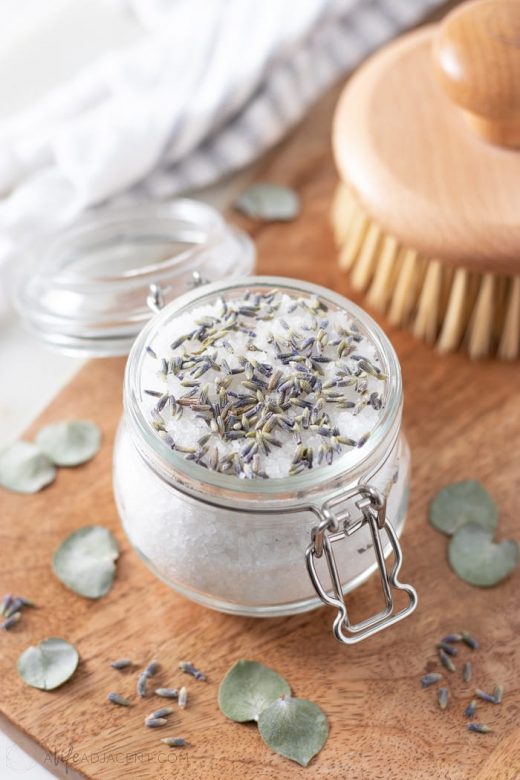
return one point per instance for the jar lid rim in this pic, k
(84, 290)
(173, 467)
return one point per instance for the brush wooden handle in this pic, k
(477, 59)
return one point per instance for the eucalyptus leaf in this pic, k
(248, 688)
(478, 560)
(85, 561)
(70, 443)
(461, 503)
(24, 468)
(49, 664)
(270, 202)
(294, 728)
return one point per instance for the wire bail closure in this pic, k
(335, 526)
(156, 300)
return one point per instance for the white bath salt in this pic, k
(264, 385)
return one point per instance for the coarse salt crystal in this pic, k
(326, 402)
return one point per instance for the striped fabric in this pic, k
(212, 85)
(344, 35)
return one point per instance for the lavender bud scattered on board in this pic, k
(116, 698)
(183, 698)
(174, 741)
(167, 693)
(188, 668)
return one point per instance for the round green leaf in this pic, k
(70, 443)
(85, 561)
(270, 202)
(48, 664)
(462, 503)
(248, 688)
(477, 559)
(24, 468)
(294, 728)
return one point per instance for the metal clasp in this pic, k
(155, 299)
(335, 526)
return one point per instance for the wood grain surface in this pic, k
(462, 419)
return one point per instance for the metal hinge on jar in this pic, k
(337, 524)
(155, 300)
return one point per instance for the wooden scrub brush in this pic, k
(427, 216)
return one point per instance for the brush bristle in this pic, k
(452, 308)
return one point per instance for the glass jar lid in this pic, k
(92, 287)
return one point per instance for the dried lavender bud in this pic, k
(302, 382)
(470, 640)
(471, 709)
(167, 693)
(430, 679)
(479, 728)
(163, 712)
(24, 602)
(451, 638)
(467, 671)
(11, 621)
(485, 696)
(188, 668)
(121, 663)
(443, 696)
(116, 698)
(155, 723)
(446, 661)
(498, 694)
(447, 647)
(142, 685)
(183, 698)
(6, 603)
(15, 606)
(152, 669)
(174, 741)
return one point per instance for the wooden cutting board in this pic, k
(462, 419)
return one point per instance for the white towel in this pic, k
(212, 84)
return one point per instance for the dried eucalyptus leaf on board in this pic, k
(270, 202)
(24, 468)
(478, 560)
(49, 664)
(294, 728)
(461, 503)
(70, 443)
(85, 561)
(248, 688)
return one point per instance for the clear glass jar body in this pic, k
(230, 560)
(237, 547)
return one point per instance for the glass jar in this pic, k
(276, 546)
(89, 289)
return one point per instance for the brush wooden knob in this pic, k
(477, 59)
